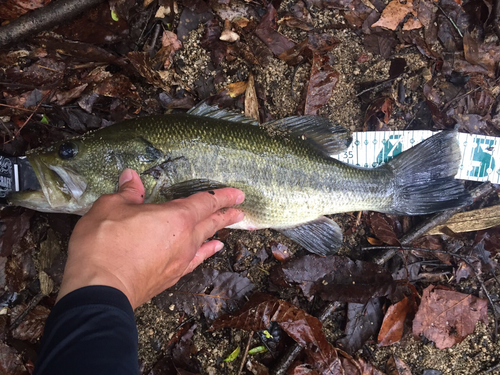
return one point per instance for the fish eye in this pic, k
(68, 150)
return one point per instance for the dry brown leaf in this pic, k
(393, 324)
(236, 88)
(251, 103)
(394, 13)
(395, 366)
(447, 317)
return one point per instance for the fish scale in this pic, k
(284, 167)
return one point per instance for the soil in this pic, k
(282, 85)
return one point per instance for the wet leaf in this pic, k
(393, 324)
(181, 352)
(205, 290)
(320, 43)
(12, 9)
(212, 43)
(280, 251)
(45, 72)
(95, 26)
(447, 317)
(363, 322)
(266, 31)
(479, 53)
(337, 278)
(12, 230)
(396, 366)
(31, 327)
(298, 17)
(383, 228)
(10, 361)
(302, 369)
(193, 13)
(378, 114)
(231, 357)
(262, 309)
(490, 238)
(380, 43)
(322, 81)
(144, 66)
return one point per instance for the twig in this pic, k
(491, 369)
(451, 21)
(33, 303)
(51, 15)
(245, 354)
(433, 221)
(461, 257)
(292, 353)
(18, 131)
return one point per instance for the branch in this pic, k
(53, 14)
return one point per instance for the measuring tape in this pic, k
(480, 156)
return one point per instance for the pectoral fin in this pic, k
(322, 236)
(187, 188)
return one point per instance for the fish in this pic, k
(285, 167)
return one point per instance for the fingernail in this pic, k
(240, 198)
(219, 246)
(125, 177)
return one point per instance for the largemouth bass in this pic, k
(284, 168)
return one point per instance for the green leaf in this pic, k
(257, 350)
(45, 119)
(267, 334)
(114, 16)
(231, 357)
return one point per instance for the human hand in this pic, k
(142, 249)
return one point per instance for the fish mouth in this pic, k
(60, 185)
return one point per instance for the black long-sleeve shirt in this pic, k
(91, 330)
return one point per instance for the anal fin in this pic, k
(322, 236)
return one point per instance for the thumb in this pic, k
(130, 186)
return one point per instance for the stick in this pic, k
(440, 218)
(54, 14)
(243, 360)
(295, 349)
(33, 303)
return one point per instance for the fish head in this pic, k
(72, 175)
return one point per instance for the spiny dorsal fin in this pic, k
(318, 131)
(205, 110)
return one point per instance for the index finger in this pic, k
(205, 203)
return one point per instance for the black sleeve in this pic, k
(90, 331)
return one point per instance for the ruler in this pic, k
(480, 153)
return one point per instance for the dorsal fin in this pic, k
(205, 110)
(318, 131)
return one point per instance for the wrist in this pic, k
(76, 278)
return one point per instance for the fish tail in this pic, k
(424, 177)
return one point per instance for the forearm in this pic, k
(90, 331)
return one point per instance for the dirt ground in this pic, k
(282, 84)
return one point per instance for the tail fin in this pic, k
(424, 177)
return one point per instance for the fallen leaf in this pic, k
(363, 322)
(256, 368)
(170, 44)
(12, 9)
(212, 43)
(393, 324)
(266, 31)
(396, 366)
(380, 43)
(262, 309)
(251, 103)
(205, 290)
(181, 353)
(480, 53)
(32, 325)
(193, 13)
(383, 228)
(280, 251)
(447, 317)
(10, 361)
(12, 229)
(322, 81)
(338, 278)
(298, 17)
(394, 13)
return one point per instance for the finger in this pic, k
(130, 186)
(206, 203)
(217, 221)
(204, 252)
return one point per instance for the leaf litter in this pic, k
(370, 65)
